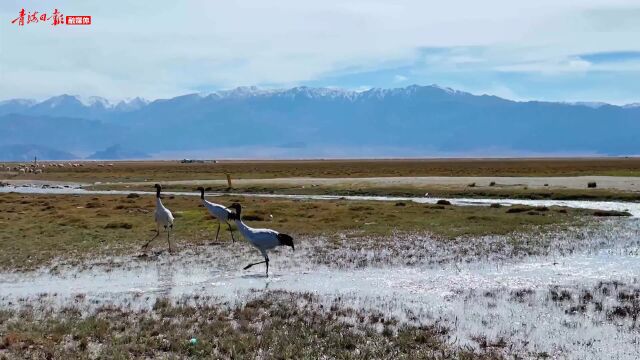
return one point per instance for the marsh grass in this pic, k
(36, 229)
(274, 324)
(607, 301)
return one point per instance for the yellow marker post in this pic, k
(229, 181)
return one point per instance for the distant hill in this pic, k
(117, 152)
(302, 121)
(28, 152)
(66, 133)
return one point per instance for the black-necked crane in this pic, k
(163, 217)
(261, 239)
(221, 213)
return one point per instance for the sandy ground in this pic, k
(579, 182)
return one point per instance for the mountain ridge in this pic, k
(254, 91)
(423, 120)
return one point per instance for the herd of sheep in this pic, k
(39, 168)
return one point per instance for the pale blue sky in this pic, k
(571, 50)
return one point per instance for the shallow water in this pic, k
(164, 278)
(177, 281)
(455, 294)
(631, 207)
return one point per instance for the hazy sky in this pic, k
(567, 50)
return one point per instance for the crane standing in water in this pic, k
(261, 239)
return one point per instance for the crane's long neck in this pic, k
(241, 226)
(244, 229)
(202, 195)
(158, 200)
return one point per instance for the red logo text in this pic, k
(54, 18)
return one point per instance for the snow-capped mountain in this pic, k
(591, 104)
(131, 104)
(415, 120)
(93, 107)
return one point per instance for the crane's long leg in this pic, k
(169, 239)
(217, 232)
(252, 264)
(265, 261)
(144, 247)
(231, 231)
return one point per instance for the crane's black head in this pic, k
(286, 240)
(238, 210)
(201, 189)
(158, 188)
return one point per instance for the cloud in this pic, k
(549, 67)
(168, 48)
(399, 79)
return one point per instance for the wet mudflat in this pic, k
(580, 298)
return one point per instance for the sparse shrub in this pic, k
(576, 309)
(592, 185)
(495, 206)
(493, 183)
(437, 207)
(443, 202)
(252, 217)
(559, 295)
(119, 225)
(611, 213)
(472, 185)
(133, 196)
(516, 210)
(401, 204)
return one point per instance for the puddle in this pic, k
(631, 207)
